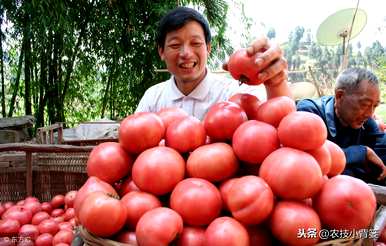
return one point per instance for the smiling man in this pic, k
(348, 117)
(184, 44)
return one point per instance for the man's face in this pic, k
(355, 107)
(185, 53)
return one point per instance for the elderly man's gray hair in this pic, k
(350, 78)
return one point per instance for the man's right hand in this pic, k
(374, 159)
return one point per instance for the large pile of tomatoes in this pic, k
(250, 173)
(30, 222)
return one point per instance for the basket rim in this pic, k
(93, 240)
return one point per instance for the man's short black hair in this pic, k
(177, 18)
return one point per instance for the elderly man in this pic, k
(348, 117)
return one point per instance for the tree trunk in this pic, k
(27, 67)
(17, 83)
(2, 72)
(42, 94)
(106, 95)
(50, 87)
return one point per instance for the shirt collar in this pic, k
(199, 93)
(330, 117)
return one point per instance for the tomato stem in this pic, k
(243, 79)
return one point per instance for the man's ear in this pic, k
(209, 48)
(338, 94)
(161, 53)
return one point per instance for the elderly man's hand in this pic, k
(374, 159)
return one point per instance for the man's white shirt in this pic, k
(212, 89)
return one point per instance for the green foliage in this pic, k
(321, 64)
(381, 73)
(92, 59)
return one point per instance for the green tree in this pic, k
(2, 78)
(82, 60)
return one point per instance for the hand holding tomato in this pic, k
(269, 60)
(261, 62)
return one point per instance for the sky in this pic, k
(285, 15)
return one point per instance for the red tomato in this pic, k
(69, 213)
(323, 157)
(65, 226)
(39, 217)
(338, 159)
(46, 207)
(102, 214)
(33, 206)
(224, 189)
(249, 103)
(57, 201)
(185, 135)
(243, 67)
(48, 226)
(170, 114)
(73, 221)
(250, 200)
(30, 231)
(58, 219)
(254, 135)
(2, 209)
(137, 203)
(7, 205)
(9, 227)
(127, 237)
(44, 239)
(226, 231)
(192, 236)
(20, 203)
(290, 219)
(69, 198)
(222, 120)
(92, 184)
(31, 199)
(159, 226)
(18, 213)
(109, 162)
(127, 186)
(57, 212)
(275, 109)
(287, 170)
(64, 236)
(345, 202)
(158, 170)
(302, 130)
(141, 131)
(213, 162)
(191, 193)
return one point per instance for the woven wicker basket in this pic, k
(52, 174)
(12, 176)
(343, 242)
(91, 240)
(58, 173)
